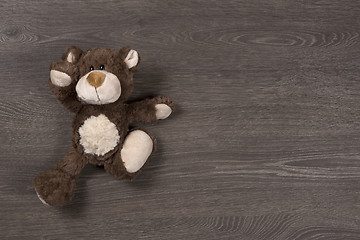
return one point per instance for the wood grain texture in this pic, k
(265, 143)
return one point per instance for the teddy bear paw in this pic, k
(163, 107)
(162, 111)
(60, 79)
(62, 73)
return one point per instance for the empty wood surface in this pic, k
(265, 143)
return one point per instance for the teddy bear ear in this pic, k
(72, 54)
(130, 57)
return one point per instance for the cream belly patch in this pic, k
(98, 135)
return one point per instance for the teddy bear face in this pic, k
(105, 75)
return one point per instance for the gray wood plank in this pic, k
(264, 143)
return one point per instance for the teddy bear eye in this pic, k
(91, 68)
(102, 67)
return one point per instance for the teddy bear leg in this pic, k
(56, 186)
(127, 162)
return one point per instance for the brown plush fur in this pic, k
(56, 186)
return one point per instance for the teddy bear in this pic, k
(95, 85)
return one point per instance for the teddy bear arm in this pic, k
(142, 111)
(62, 83)
(150, 110)
(62, 74)
(67, 96)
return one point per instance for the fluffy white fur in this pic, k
(136, 149)
(108, 92)
(162, 111)
(59, 78)
(132, 59)
(98, 135)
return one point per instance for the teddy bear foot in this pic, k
(54, 187)
(138, 146)
(127, 162)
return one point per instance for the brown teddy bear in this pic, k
(95, 85)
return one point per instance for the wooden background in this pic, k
(265, 143)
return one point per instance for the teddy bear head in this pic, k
(104, 75)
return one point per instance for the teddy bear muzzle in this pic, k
(98, 87)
